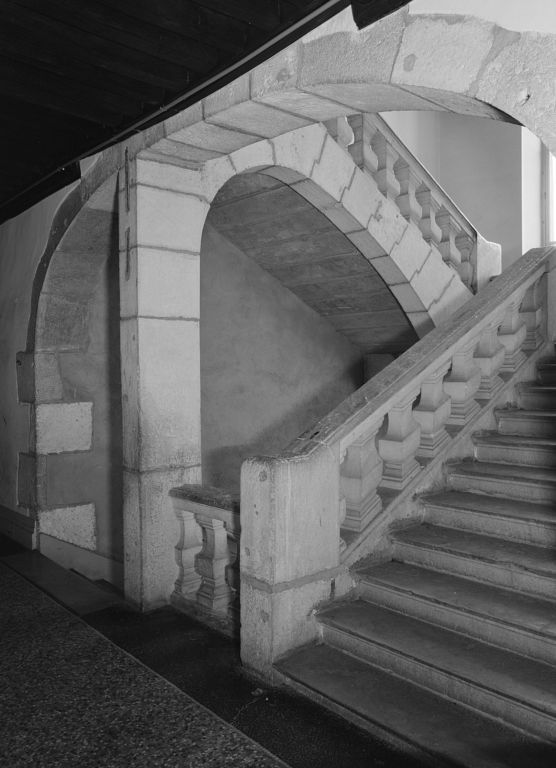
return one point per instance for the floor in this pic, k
(89, 681)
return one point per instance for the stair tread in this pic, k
(523, 557)
(528, 511)
(526, 413)
(511, 471)
(421, 717)
(495, 603)
(457, 655)
(496, 438)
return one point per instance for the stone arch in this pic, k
(73, 371)
(314, 165)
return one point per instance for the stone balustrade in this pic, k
(310, 509)
(207, 555)
(402, 178)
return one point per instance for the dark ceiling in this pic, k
(78, 75)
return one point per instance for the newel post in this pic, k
(290, 544)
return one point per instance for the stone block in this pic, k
(421, 322)
(166, 219)
(253, 157)
(388, 270)
(167, 176)
(387, 225)
(351, 56)
(430, 53)
(48, 386)
(301, 149)
(189, 116)
(362, 197)
(367, 245)
(257, 119)
(215, 174)
(431, 279)
(75, 524)
(334, 170)
(300, 497)
(163, 404)
(411, 252)
(408, 299)
(183, 152)
(214, 138)
(160, 283)
(64, 427)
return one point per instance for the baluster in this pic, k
(511, 335)
(361, 473)
(385, 176)
(361, 150)
(214, 593)
(189, 544)
(428, 224)
(461, 384)
(531, 312)
(465, 245)
(489, 356)
(432, 413)
(399, 446)
(407, 201)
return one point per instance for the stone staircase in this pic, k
(451, 645)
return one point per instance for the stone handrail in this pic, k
(207, 555)
(306, 512)
(402, 178)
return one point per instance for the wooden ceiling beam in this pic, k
(108, 56)
(30, 85)
(128, 32)
(28, 45)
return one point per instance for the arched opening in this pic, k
(290, 313)
(77, 400)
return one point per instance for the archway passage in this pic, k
(77, 445)
(290, 309)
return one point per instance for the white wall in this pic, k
(531, 186)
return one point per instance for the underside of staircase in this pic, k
(451, 646)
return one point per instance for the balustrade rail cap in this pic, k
(406, 368)
(208, 495)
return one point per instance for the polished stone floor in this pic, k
(87, 681)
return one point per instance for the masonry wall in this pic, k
(270, 366)
(22, 243)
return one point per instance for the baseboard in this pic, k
(87, 563)
(18, 527)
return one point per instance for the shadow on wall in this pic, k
(223, 464)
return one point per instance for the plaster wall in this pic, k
(531, 188)
(22, 243)
(479, 163)
(270, 366)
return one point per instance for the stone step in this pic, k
(515, 421)
(536, 484)
(492, 515)
(546, 372)
(441, 732)
(504, 563)
(535, 396)
(502, 617)
(514, 449)
(518, 690)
